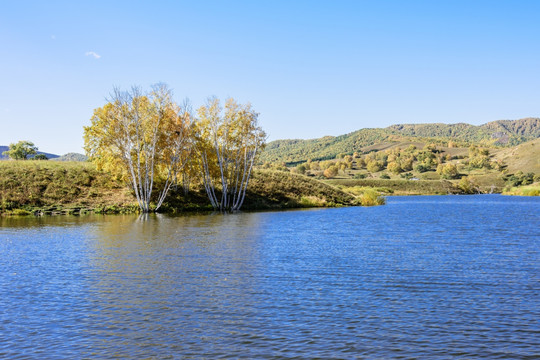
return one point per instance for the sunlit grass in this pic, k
(45, 184)
(281, 189)
(371, 197)
(398, 187)
(45, 187)
(529, 190)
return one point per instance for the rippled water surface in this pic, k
(422, 277)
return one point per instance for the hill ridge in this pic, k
(495, 133)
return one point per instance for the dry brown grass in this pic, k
(43, 186)
(34, 184)
(529, 190)
(524, 157)
(402, 186)
(271, 189)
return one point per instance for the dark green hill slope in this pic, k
(502, 133)
(460, 131)
(528, 127)
(324, 148)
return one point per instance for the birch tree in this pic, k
(141, 137)
(229, 139)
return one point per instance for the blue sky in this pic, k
(311, 68)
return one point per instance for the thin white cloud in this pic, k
(91, 53)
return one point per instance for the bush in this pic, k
(468, 185)
(331, 172)
(371, 197)
(374, 166)
(519, 179)
(394, 167)
(421, 168)
(447, 171)
(40, 157)
(407, 175)
(479, 162)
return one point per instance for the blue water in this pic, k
(423, 277)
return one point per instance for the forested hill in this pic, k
(72, 157)
(506, 132)
(500, 133)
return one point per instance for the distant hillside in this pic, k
(72, 157)
(6, 148)
(524, 157)
(502, 133)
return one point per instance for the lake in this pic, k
(431, 277)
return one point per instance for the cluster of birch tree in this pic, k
(154, 144)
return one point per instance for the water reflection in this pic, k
(182, 273)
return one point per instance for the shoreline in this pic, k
(38, 188)
(133, 209)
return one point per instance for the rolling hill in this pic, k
(71, 157)
(503, 133)
(524, 157)
(65, 157)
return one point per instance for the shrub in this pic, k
(421, 168)
(40, 157)
(374, 166)
(301, 169)
(371, 197)
(394, 167)
(447, 171)
(312, 201)
(479, 162)
(407, 175)
(519, 179)
(331, 172)
(468, 185)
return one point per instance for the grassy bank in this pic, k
(528, 190)
(60, 187)
(42, 187)
(275, 189)
(398, 187)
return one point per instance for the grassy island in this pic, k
(46, 187)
